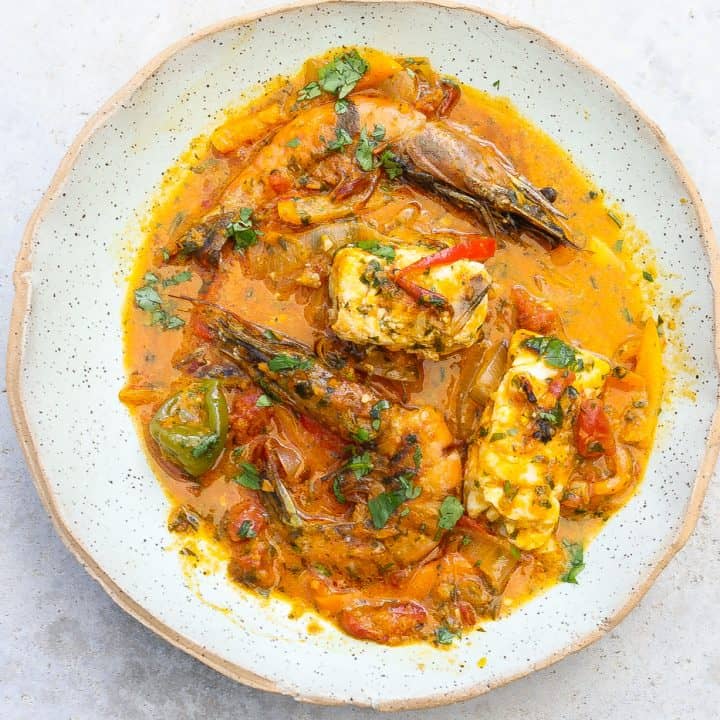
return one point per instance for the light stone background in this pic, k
(66, 650)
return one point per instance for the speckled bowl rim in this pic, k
(21, 309)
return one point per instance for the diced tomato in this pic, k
(387, 622)
(534, 314)
(467, 613)
(279, 181)
(559, 384)
(593, 434)
(246, 418)
(246, 519)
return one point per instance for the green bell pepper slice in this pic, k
(190, 427)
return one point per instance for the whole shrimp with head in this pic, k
(401, 463)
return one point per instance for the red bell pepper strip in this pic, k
(474, 247)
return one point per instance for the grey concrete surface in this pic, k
(66, 651)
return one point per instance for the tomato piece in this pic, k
(279, 182)
(388, 622)
(246, 418)
(559, 384)
(593, 434)
(468, 615)
(246, 519)
(534, 314)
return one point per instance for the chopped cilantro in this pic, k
(310, 91)
(341, 107)
(181, 277)
(509, 490)
(361, 465)
(553, 416)
(556, 353)
(249, 476)
(151, 278)
(293, 143)
(242, 230)
(648, 276)
(361, 434)
(451, 511)
(387, 252)
(445, 636)
(342, 74)
(378, 133)
(576, 561)
(246, 530)
(147, 298)
(417, 456)
(264, 401)
(496, 84)
(377, 408)
(497, 436)
(390, 164)
(382, 506)
(342, 140)
(619, 245)
(363, 152)
(283, 362)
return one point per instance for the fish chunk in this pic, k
(369, 308)
(517, 470)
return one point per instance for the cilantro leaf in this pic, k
(310, 91)
(249, 476)
(264, 401)
(341, 141)
(382, 506)
(363, 152)
(361, 465)
(555, 352)
(181, 277)
(377, 408)
(342, 74)
(283, 362)
(451, 511)
(147, 298)
(247, 530)
(242, 230)
(390, 164)
(387, 252)
(293, 143)
(576, 561)
(341, 106)
(445, 636)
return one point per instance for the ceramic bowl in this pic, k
(66, 361)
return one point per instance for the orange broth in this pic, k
(593, 290)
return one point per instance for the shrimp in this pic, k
(402, 467)
(305, 175)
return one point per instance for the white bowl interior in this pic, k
(71, 369)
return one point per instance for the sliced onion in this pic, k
(490, 373)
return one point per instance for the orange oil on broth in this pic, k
(600, 309)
